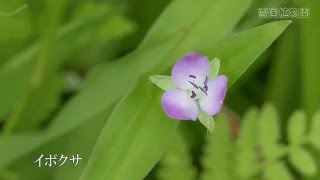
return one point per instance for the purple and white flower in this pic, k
(191, 92)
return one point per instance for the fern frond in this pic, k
(176, 164)
(218, 158)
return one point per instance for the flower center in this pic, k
(197, 91)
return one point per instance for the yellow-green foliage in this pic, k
(259, 151)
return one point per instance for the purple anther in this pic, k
(193, 76)
(193, 94)
(203, 90)
(193, 84)
(205, 83)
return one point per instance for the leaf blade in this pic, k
(206, 120)
(219, 150)
(302, 160)
(142, 130)
(315, 130)
(246, 156)
(268, 126)
(297, 127)
(214, 67)
(278, 171)
(177, 162)
(163, 82)
(60, 126)
(244, 45)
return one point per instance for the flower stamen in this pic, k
(194, 85)
(203, 90)
(205, 81)
(193, 94)
(193, 76)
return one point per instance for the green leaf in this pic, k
(302, 160)
(239, 51)
(8, 175)
(214, 67)
(120, 27)
(283, 74)
(207, 15)
(163, 82)
(297, 127)
(218, 159)
(269, 133)
(273, 152)
(19, 68)
(246, 165)
(131, 133)
(176, 163)
(310, 60)
(247, 143)
(99, 40)
(128, 69)
(42, 103)
(46, 48)
(84, 147)
(12, 91)
(249, 132)
(277, 171)
(245, 55)
(268, 126)
(95, 94)
(199, 19)
(206, 120)
(315, 130)
(67, 145)
(309, 63)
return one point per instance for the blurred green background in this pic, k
(65, 65)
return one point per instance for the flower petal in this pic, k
(178, 105)
(193, 66)
(217, 88)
